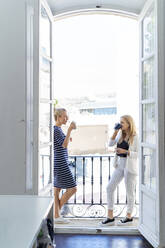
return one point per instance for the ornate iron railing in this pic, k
(92, 174)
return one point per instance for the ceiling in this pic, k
(62, 6)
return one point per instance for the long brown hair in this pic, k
(132, 129)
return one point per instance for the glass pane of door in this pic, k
(148, 135)
(45, 78)
(148, 79)
(44, 168)
(148, 33)
(44, 123)
(149, 123)
(45, 32)
(149, 169)
(45, 96)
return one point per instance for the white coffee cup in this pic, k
(74, 123)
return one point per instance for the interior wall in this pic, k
(12, 97)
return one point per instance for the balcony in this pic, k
(88, 206)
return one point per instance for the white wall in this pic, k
(89, 139)
(12, 96)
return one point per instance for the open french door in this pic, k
(45, 99)
(152, 171)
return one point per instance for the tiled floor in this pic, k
(100, 241)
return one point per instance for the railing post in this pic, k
(50, 175)
(75, 160)
(92, 180)
(101, 180)
(43, 171)
(83, 180)
(117, 194)
(109, 173)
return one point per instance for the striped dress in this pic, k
(63, 177)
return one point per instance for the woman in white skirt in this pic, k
(125, 163)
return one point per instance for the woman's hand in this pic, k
(121, 151)
(68, 138)
(72, 126)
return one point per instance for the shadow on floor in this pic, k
(100, 241)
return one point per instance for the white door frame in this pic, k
(160, 8)
(160, 103)
(48, 189)
(157, 199)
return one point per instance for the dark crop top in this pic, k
(124, 145)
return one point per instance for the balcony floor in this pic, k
(92, 226)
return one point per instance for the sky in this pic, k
(97, 54)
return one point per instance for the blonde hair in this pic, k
(58, 112)
(132, 129)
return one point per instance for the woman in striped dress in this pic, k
(63, 178)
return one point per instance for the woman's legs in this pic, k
(130, 183)
(56, 202)
(59, 202)
(111, 187)
(66, 196)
